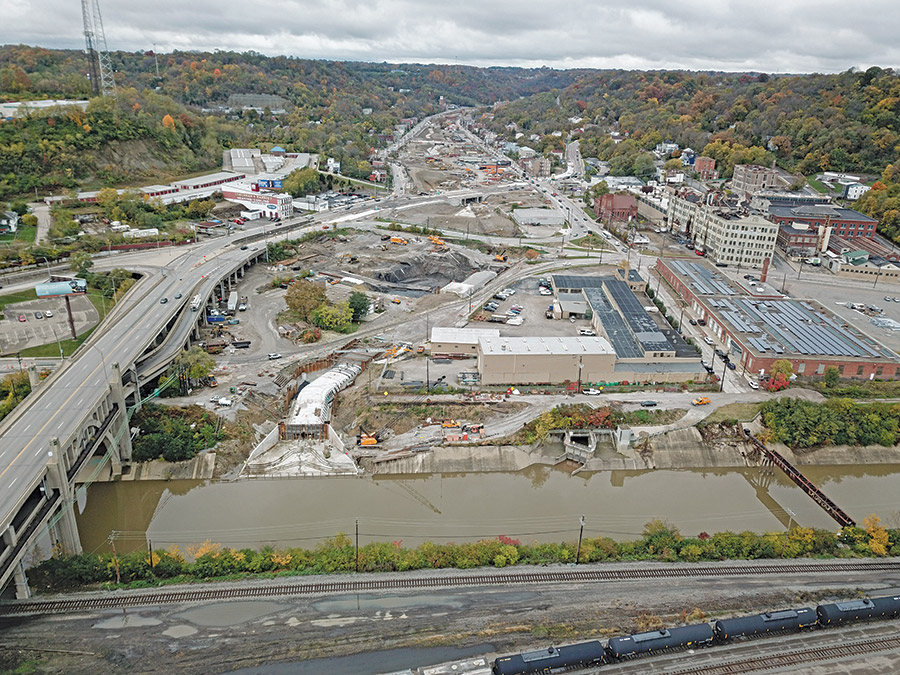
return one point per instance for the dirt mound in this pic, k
(427, 269)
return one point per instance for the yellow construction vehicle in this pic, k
(350, 258)
(399, 240)
(501, 257)
(450, 424)
(365, 438)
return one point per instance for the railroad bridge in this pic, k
(74, 426)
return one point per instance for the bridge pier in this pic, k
(66, 529)
(33, 378)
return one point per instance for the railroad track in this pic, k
(355, 585)
(796, 658)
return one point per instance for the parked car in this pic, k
(273, 356)
(693, 322)
(701, 322)
(648, 404)
(23, 318)
(48, 313)
(586, 331)
(708, 340)
(720, 353)
(38, 315)
(591, 392)
(731, 365)
(753, 384)
(703, 400)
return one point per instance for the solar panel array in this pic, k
(778, 326)
(641, 323)
(617, 331)
(570, 281)
(789, 326)
(703, 280)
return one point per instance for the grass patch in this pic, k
(817, 185)
(874, 389)
(652, 417)
(743, 412)
(18, 296)
(25, 234)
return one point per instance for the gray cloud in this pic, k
(765, 35)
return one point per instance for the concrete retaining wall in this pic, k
(464, 459)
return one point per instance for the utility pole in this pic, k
(357, 545)
(580, 533)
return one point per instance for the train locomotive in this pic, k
(594, 653)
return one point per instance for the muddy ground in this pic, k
(222, 636)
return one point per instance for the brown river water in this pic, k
(538, 504)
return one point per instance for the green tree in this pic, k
(195, 362)
(303, 297)
(29, 220)
(832, 377)
(302, 182)
(359, 305)
(81, 262)
(332, 317)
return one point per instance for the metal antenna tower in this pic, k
(101, 72)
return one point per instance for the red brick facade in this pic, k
(621, 208)
(749, 362)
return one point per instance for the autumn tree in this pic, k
(303, 297)
(332, 317)
(879, 536)
(168, 122)
(782, 367)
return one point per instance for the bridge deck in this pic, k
(803, 483)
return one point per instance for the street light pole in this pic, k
(580, 533)
(724, 370)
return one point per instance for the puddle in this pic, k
(345, 604)
(127, 621)
(230, 613)
(179, 631)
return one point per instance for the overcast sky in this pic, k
(761, 35)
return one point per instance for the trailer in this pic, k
(232, 303)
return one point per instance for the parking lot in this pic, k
(534, 307)
(16, 335)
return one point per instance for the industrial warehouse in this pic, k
(629, 341)
(758, 326)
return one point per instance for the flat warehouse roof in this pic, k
(776, 326)
(545, 345)
(467, 336)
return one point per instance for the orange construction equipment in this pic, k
(399, 240)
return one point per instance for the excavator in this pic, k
(501, 257)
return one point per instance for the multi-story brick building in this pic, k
(706, 167)
(801, 239)
(618, 208)
(752, 178)
(726, 235)
(845, 223)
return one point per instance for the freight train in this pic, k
(595, 653)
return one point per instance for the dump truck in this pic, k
(399, 240)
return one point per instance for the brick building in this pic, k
(706, 167)
(757, 326)
(620, 208)
(751, 179)
(845, 223)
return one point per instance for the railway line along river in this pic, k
(540, 503)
